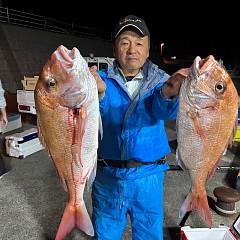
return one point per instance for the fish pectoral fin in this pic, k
(198, 128)
(81, 129)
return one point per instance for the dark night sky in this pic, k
(187, 28)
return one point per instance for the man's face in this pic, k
(131, 50)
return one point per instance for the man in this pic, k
(4, 121)
(135, 98)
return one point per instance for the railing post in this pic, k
(45, 23)
(8, 19)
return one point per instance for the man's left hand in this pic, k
(172, 86)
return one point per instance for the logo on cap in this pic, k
(132, 21)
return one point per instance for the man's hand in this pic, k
(4, 118)
(172, 86)
(101, 85)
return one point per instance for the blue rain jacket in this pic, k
(134, 129)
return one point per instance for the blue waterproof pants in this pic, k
(141, 198)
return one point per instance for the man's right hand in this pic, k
(101, 85)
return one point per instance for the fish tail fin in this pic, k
(186, 206)
(83, 220)
(67, 222)
(72, 216)
(197, 202)
(204, 210)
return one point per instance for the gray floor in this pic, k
(32, 200)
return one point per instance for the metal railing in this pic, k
(15, 17)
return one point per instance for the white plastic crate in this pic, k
(222, 232)
(23, 144)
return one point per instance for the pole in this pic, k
(177, 167)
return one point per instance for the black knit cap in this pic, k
(131, 21)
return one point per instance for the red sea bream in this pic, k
(66, 99)
(206, 125)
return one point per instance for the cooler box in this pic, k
(23, 144)
(26, 102)
(221, 233)
(14, 122)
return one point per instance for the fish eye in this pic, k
(220, 87)
(51, 83)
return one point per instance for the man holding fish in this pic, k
(135, 97)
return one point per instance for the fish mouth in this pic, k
(200, 93)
